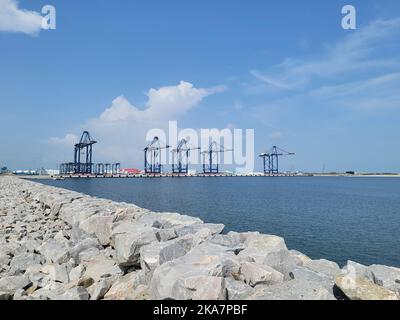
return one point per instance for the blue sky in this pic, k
(283, 68)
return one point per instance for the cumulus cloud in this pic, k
(68, 140)
(121, 109)
(163, 103)
(177, 99)
(60, 149)
(13, 19)
(121, 128)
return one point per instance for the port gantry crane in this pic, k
(99, 168)
(180, 164)
(67, 168)
(84, 148)
(83, 160)
(116, 168)
(211, 158)
(152, 157)
(271, 159)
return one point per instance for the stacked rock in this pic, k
(62, 245)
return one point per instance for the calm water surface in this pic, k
(335, 218)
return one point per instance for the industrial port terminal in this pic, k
(83, 165)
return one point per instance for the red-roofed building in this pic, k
(131, 171)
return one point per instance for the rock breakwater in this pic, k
(57, 244)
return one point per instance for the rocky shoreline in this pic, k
(57, 244)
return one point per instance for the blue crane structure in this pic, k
(99, 169)
(84, 148)
(107, 168)
(83, 160)
(211, 158)
(67, 168)
(271, 159)
(116, 168)
(152, 157)
(180, 157)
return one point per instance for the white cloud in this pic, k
(120, 110)
(163, 103)
(360, 71)
(13, 19)
(177, 99)
(271, 82)
(60, 149)
(352, 55)
(121, 129)
(375, 93)
(69, 140)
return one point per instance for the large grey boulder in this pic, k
(150, 256)
(54, 252)
(99, 289)
(388, 277)
(76, 293)
(77, 272)
(258, 246)
(13, 249)
(35, 275)
(99, 226)
(101, 267)
(230, 240)
(85, 282)
(363, 289)
(305, 274)
(128, 238)
(204, 260)
(4, 259)
(5, 296)
(80, 210)
(55, 209)
(84, 245)
(293, 290)
(13, 283)
(166, 234)
(157, 253)
(129, 212)
(167, 220)
(31, 244)
(201, 288)
(177, 248)
(254, 274)
(124, 287)
(300, 256)
(77, 235)
(50, 291)
(46, 199)
(20, 294)
(237, 290)
(62, 237)
(57, 273)
(88, 254)
(212, 228)
(354, 269)
(20, 263)
(282, 261)
(326, 267)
